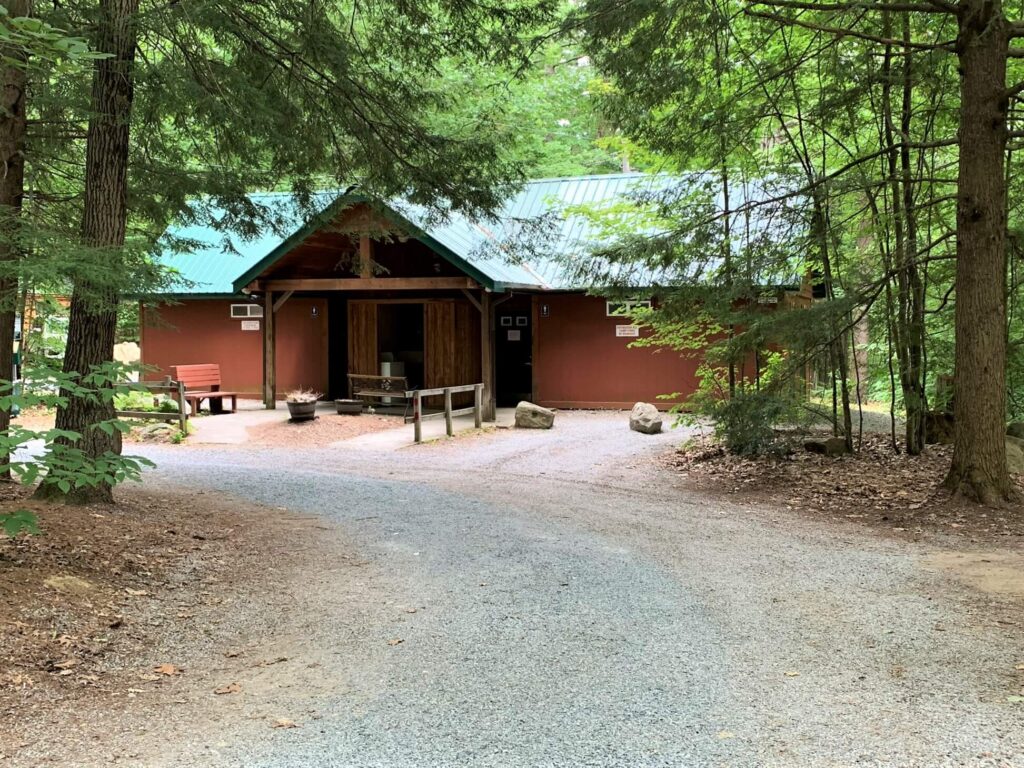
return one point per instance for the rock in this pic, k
(1016, 429)
(530, 416)
(938, 428)
(70, 585)
(157, 428)
(832, 446)
(1015, 455)
(645, 418)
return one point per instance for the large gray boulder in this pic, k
(530, 416)
(1015, 455)
(645, 418)
(1016, 429)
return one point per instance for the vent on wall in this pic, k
(621, 308)
(246, 310)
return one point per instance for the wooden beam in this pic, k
(487, 355)
(269, 383)
(367, 284)
(365, 258)
(472, 300)
(282, 299)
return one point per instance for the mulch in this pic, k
(876, 486)
(325, 429)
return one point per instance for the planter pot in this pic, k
(302, 411)
(349, 407)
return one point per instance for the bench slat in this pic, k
(200, 376)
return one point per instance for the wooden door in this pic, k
(438, 348)
(451, 332)
(362, 338)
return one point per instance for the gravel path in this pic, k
(560, 603)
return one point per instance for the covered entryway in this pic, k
(398, 308)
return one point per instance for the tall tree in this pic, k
(979, 452)
(12, 189)
(93, 319)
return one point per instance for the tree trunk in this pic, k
(93, 320)
(838, 348)
(978, 470)
(12, 190)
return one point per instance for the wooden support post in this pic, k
(182, 415)
(269, 382)
(417, 417)
(448, 412)
(365, 257)
(487, 354)
(478, 400)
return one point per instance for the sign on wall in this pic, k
(250, 325)
(627, 330)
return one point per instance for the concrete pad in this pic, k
(230, 428)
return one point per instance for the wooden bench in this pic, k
(202, 382)
(362, 386)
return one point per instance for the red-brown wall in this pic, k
(203, 331)
(579, 362)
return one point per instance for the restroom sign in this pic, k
(627, 330)
(250, 325)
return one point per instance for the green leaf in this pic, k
(18, 521)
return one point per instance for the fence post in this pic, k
(448, 412)
(417, 414)
(478, 401)
(182, 414)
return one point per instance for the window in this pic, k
(620, 308)
(246, 310)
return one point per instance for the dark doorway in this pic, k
(337, 344)
(400, 341)
(513, 351)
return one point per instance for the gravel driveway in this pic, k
(560, 602)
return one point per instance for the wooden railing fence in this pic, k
(416, 397)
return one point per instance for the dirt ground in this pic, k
(323, 430)
(893, 493)
(215, 632)
(128, 608)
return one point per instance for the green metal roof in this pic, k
(213, 260)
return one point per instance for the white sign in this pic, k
(250, 325)
(627, 330)
(515, 336)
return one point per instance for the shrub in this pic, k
(746, 422)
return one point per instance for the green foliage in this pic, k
(128, 321)
(39, 40)
(545, 117)
(143, 400)
(63, 464)
(746, 421)
(18, 521)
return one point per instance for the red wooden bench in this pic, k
(202, 382)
